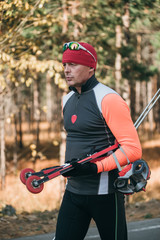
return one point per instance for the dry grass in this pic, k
(17, 195)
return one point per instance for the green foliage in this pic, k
(38, 28)
(132, 70)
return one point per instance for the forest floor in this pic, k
(26, 214)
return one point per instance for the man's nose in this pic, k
(67, 68)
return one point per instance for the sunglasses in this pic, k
(76, 46)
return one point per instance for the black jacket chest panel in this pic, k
(82, 116)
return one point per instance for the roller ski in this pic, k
(34, 181)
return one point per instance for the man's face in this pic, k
(76, 75)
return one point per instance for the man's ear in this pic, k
(91, 69)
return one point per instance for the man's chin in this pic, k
(70, 83)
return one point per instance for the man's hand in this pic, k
(81, 169)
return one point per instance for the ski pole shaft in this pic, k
(147, 109)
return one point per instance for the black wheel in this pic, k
(120, 183)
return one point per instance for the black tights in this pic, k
(77, 211)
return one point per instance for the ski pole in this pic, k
(147, 109)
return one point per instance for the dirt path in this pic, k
(44, 222)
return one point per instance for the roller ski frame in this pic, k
(34, 181)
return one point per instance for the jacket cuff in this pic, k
(100, 167)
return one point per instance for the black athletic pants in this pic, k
(77, 211)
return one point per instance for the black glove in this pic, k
(81, 169)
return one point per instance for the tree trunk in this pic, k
(49, 102)
(133, 100)
(65, 18)
(157, 107)
(138, 85)
(49, 99)
(129, 85)
(2, 131)
(15, 155)
(150, 115)
(143, 104)
(36, 109)
(37, 132)
(118, 75)
(20, 128)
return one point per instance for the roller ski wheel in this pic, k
(120, 183)
(25, 174)
(33, 186)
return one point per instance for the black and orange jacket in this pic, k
(93, 120)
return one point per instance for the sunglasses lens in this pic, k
(74, 46)
(65, 46)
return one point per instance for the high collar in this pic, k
(91, 83)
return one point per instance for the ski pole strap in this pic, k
(116, 160)
(124, 154)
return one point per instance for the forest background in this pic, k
(126, 36)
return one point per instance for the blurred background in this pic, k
(126, 36)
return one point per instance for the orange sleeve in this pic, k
(117, 116)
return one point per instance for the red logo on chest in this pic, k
(73, 118)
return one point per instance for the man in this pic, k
(94, 117)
